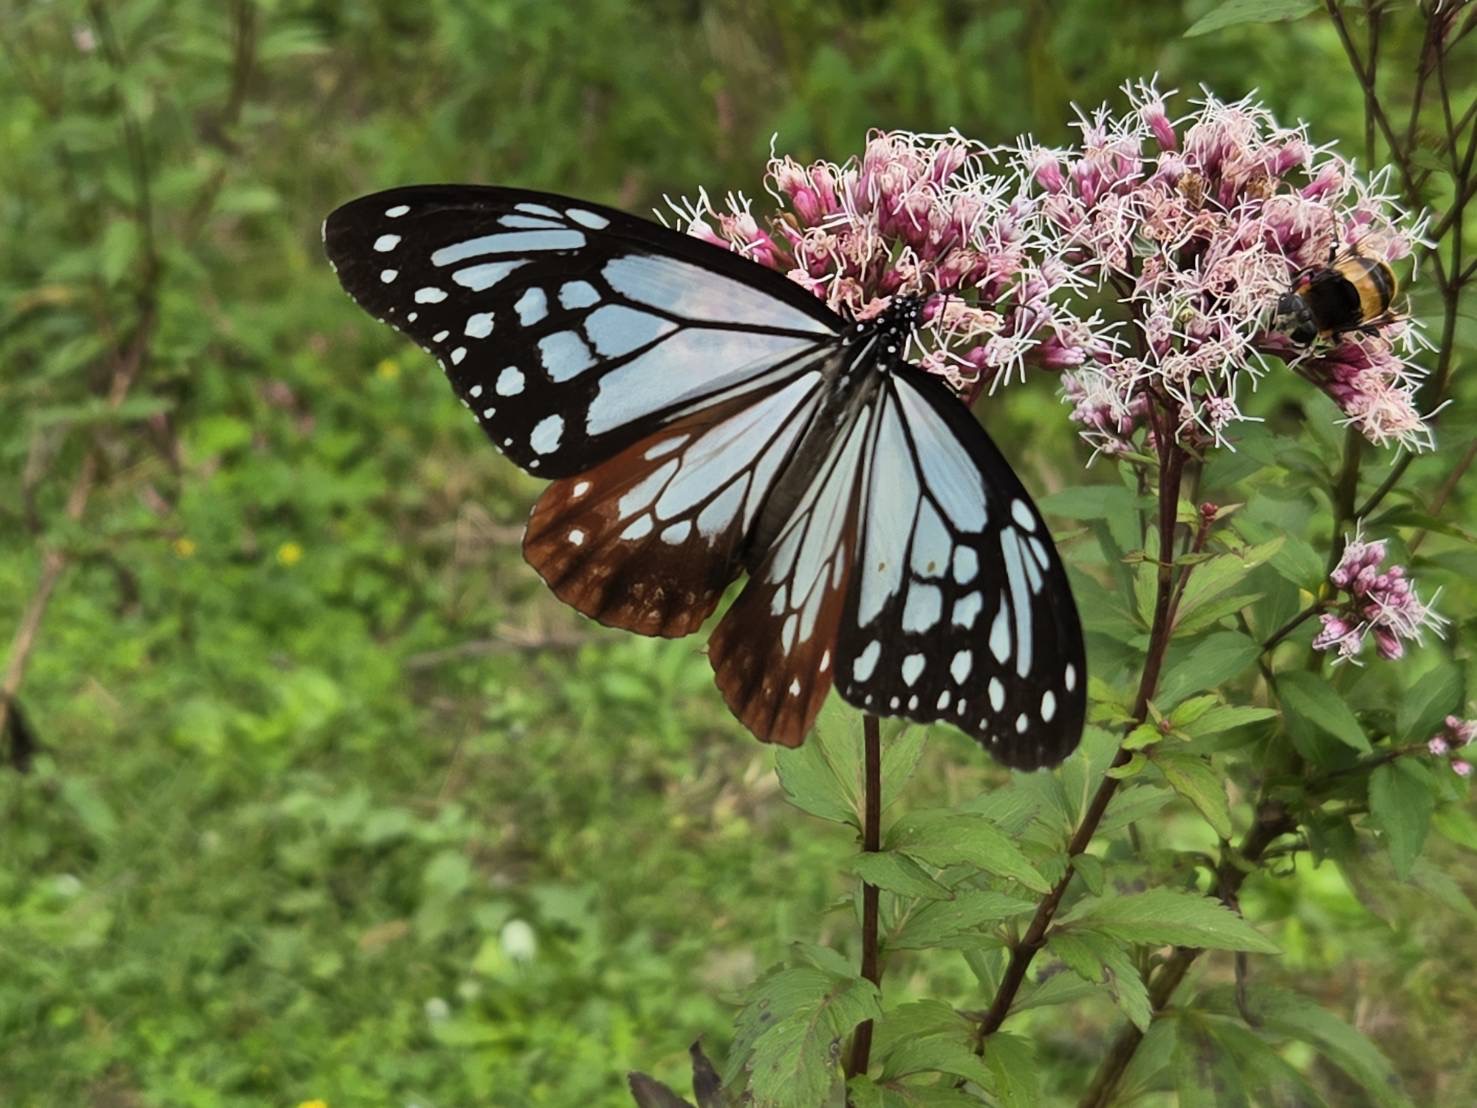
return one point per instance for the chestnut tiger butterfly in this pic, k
(701, 416)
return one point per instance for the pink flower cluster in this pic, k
(920, 214)
(1456, 735)
(1377, 602)
(1199, 225)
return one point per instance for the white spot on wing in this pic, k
(397, 211)
(912, 667)
(966, 564)
(509, 382)
(1000, 635)
(960, 666)
(589, 219)
(484, 276)
(1022, 515)
(512, 242)
(576, 536)
(565, 355)
(458, 354)
(866, 661)
(430, 295)
(386, 242)
(616, 329)
(532, 306)
(546, 434)
(1070, 676)
(388, 275)
(921, 612)
(479, 325)
(1048, 705)
(997, 693)
(577, 294)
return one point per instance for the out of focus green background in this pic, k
(331, 800)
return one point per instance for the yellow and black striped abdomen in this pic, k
(1374, 281)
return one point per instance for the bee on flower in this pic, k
(1204, 226)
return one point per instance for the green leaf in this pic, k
(1401, 803)
(900, 756)
(821, 775)
(899, 874)
(938, 922)
(1168, 916)
(1231, 12)
(918, 1020)
(943, 837)
(1212, 612)
(1427, 703)
(1299, 563)
(1205, 1075)
(1212, 578)
(1193, 778)
(1101, 960)
(1282, 1012)
(1013, 1065)
(1311, 698)
(1214, 660)
(1226, 717)
(794, 1062)
(935, 1055)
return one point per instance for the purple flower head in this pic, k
(1461, 768)
(920, 214)
(1456, 734)
(1374, 602)
(1199, 225)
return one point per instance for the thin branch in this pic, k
(861, 1043)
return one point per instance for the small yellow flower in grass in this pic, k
(289, 554)
(313, 1104)
(388, 369)
(185, 548)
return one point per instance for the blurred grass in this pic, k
(279, 844)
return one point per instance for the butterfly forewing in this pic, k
(960, 609)
(648, 540)
(569, 329)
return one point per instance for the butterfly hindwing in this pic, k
(570, 330)
(960, 609)
(648, 539)
(774, 651)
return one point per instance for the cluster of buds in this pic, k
(924, 215)
(1456, 735)
(1199, 225)
(1377, 602)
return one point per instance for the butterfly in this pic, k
(701, 416)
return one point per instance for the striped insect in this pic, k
(701, 416)
(1352, 292)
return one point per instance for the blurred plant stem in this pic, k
(1452, 274)
(861, 1043)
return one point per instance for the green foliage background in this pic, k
(333, 800)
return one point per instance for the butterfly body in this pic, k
(702, 417)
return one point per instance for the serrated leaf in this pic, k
(1231, 12)
(1282, 1012)
(899, 874)
(1192, 777)
(944, 837)
(1212, 612)
(1101, 960)
(1401, 803)
(820, 776)
(1060, 988)
(937, 922)
(1168, 916)
(1298, 563)
(1426, 703)
(918, 1020)
(935, 1055)
(1221, 573)
(1311, 698)
(1212, 662)
(1012, 1063)
(1090, 868)
(794, 1063)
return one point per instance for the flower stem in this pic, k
(861, 1043)
(1172, 462)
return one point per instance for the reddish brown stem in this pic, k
(861, 1043)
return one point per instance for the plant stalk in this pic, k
(861, 1043)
